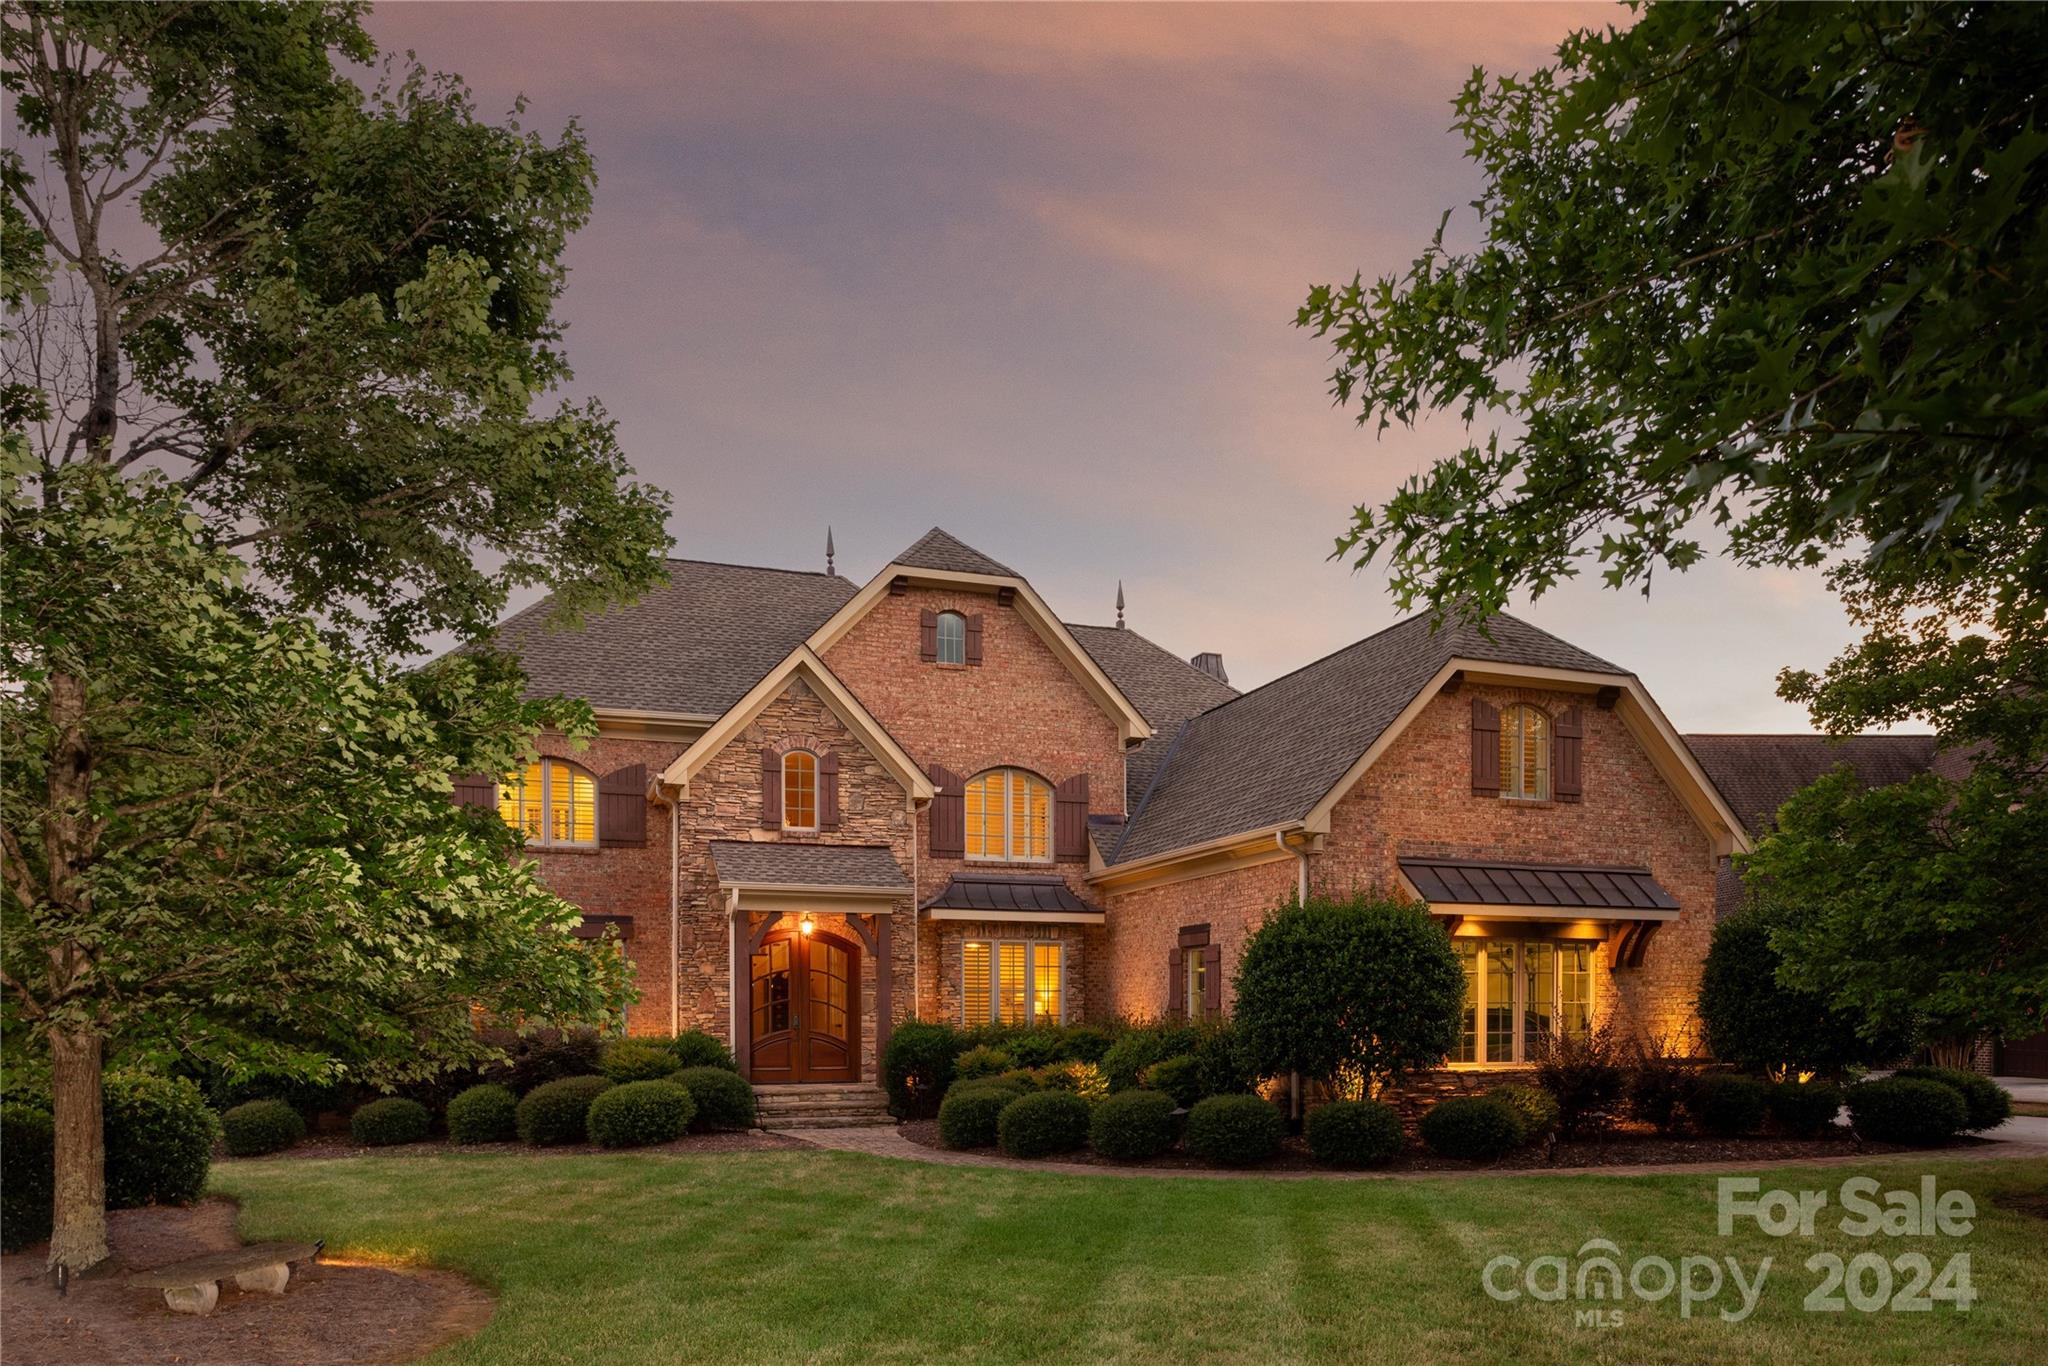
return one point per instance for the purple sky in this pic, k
(1029, 274)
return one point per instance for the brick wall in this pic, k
(1145, 926)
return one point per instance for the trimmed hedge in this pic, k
(1911, 1110)
(555, 1113)
(968, 1115)
(1132, 1125)
(638, 1113)
(1804, 1109)
(484, 1114)
(1472, 1128)
(1726, 1105)
(159, 1135)
(550, 1055)
(1988, 1104)
(981, 1061)
(1043, 1123)
(1179, 1077)
(625, 1060)
(724, 1099)
(390, 1121)
(917, 1067)
(1087, 1043)
(261, 1126)
(1084, 1079)
(1354, 1133)
(28, 1166)
(695, 1048)
(1234, 1131)
(1534, 1109)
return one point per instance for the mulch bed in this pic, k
(330, 1145)
(329, 1315)
(1626, 1147)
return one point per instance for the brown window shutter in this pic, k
(1070, 817)
(828, 790)
(771, 790)
(949, 814)
(479, 790)
(622, 807)
(1567, 766)
(927, 635)
(974, 639)
(1176, 985)
(1212, 981)
(1485, 749)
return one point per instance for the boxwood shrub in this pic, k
(1472, 1128)
(981, 1061)
(554, 1113)
(968, 1114)
(1087, 1043)
(261, 1126)
(392, 1120)
(1804, 1109)
(625, 1060)
(1535, 1109)
(1131, 1125)
(159, 1135)
(1354, 1133)
(28, 1157)
(725, 1100)
(695, 1048)
(917, 1066)
(546, 1055)
(1910, 1110)
(484, 1114)
(638, 1113)
(1179, 1076)
(1726, 1105)
(1043, 1123)
(1234, 1131)
(1988, 1104)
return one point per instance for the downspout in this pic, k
(732, 994)
(675, 860)
(916, 967)
(1301, 886)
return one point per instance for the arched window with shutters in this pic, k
(952, 640)
(554, 802)
(1524, 753)
(1009, 817)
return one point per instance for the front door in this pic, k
(806, 1009)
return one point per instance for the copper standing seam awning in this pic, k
(989, 896)
(1632, 901)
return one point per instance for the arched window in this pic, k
(1009, 817)
(554, 802)
(952, 638)
(1524, 754)
(799, 790)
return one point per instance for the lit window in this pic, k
(799, 790)
(1517, 992)
(1194, 964)
(952, 638)
(1009, 817)
(1012, 982)
(1524, 754)
(1047, 989)
(555, 803)
(974, 985)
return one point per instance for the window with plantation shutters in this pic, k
(1009, 981)
(552, 802)
(1524, 754)
(1008, 815)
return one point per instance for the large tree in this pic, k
(308, 328)
(1777, 275)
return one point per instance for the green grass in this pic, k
(835, 1257)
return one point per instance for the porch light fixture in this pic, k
(806, 925)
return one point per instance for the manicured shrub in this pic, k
(555, 1112)
(546, 1055)
(1989, 1104)
(638, 1113)
(1140, 1046)
(392, 1120)
(484, 1114)
(981, 1061)
(1036, 1047)
(725, 1100)
(1534, 1109)
(307, 1097)
(1756, 1023)
(28, 1155)
(917, 1066)
(159, 1135)
(1084, 1079)
(695, 1048)
(1804, 1109)
(1354, 1133)
(1471, 1128)
(625, 1060)
(1660, 1082)
(1179, 1077)
(1911, 1110)
(1025, 1081)
(1234, 1131)
(261, 1126)
(1043, 1123)
(969, 1114)
(1131, 1125)
(1086, 1043)
(1586, 1075)
(1725, 1105)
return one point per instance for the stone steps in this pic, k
(814, 1106)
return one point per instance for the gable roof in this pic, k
(1756, 773)
(691, 646)
(937, 549)
(1163, 686)
(1270, 756)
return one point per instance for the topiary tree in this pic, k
(1366, 986)
(1754, 1021)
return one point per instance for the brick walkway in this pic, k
(888, 1141)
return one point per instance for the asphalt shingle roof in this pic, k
(937, 549)
(1756, 773)
(693, 645)
(1165, 689)
(783, 864)
(1268, 756)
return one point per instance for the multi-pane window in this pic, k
(1525, 754)
(799, 790)
(952, 638)
(1519, 990)
(1012, 982)
(1194, 965)
(554, 802)
(1009, 817)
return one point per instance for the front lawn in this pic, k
(837, 1257)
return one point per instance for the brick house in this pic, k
(815, 809)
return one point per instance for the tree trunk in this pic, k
(1951, 1053)
(78, 1231)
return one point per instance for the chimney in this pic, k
(1211, 664)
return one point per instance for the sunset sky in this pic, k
(1030, 274)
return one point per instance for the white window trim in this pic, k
(1194, 1003)
(1521, 1005)
(816, 791)
(1010, 782)
(939, 647)
(545, 840)
(995, 990)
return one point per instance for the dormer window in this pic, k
(1524, 754)
(1009, 817)
(799, 790)
(554, 802)
(952, 638)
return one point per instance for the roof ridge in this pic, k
(1158, 772)
(758, 568)
(1302, 668)
(1552, 635)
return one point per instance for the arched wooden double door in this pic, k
(806, 1009)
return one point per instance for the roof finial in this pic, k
(828, 548)
(1119, 604)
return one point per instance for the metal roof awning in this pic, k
(1538, 891)
(779, 875)
(989, 896)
